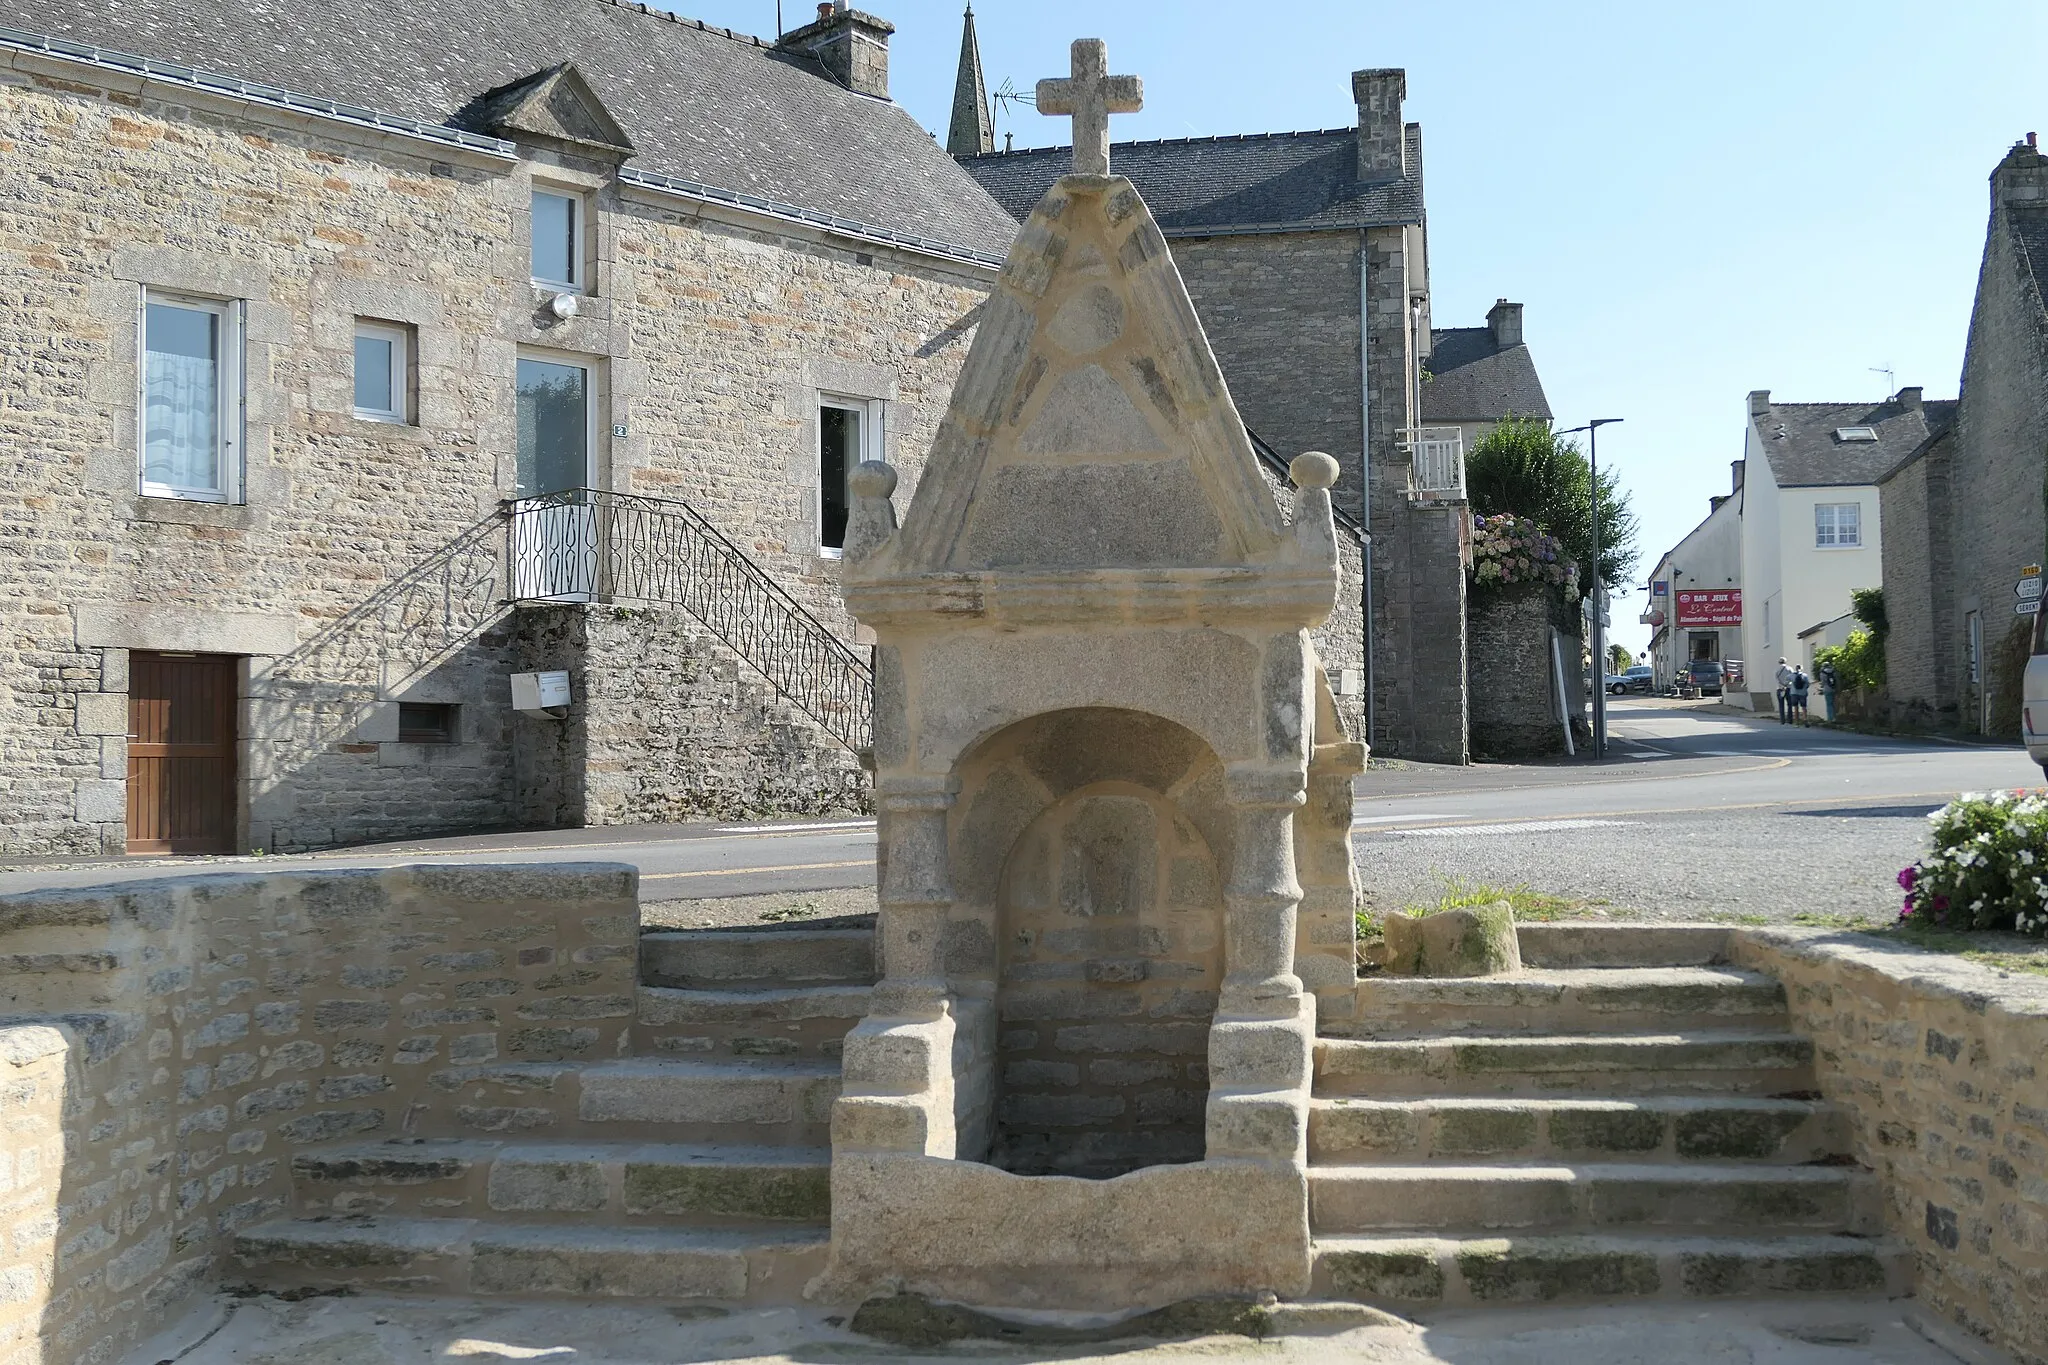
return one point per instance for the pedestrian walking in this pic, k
(1785, 672)
(1800, 685)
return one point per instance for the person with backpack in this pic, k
(1784, 678)
(1830, 682)
(1800, 685)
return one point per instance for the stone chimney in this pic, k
(851, 45)
(1382, 137)
(1909, 398)
(1759, 402)
(1735, 477)
(1504, 320)
(2021, 180)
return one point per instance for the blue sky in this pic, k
(1691, 200)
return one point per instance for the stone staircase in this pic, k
(1584, 1132)
(697, 1167)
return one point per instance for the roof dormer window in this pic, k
(1845, 435)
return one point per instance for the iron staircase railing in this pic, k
(583, 545)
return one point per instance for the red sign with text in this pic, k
(1720, 607)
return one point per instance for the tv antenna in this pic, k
(1891, 378)
(1007, 95)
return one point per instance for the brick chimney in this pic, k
(1382, 137)
(850, 44)
(1909, 398)
(1504, 320)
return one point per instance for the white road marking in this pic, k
(795, 829)
(1358, 820)
(1519, 827)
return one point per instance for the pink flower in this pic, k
(1907, 876)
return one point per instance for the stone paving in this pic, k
(380, 1331)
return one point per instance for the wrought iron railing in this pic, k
(1439, 461)
(1277, 467)
(584, 545)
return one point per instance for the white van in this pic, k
(2034, 695)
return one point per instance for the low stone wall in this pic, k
(173, 1043)
(1943, 1068)
(1513, 685)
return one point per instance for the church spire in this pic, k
(971, 132)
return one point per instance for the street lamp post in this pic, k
(1592, 430)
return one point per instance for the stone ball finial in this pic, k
(1313, 469)
(874, 479)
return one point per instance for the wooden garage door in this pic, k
(181, 753)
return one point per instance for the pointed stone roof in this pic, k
(555, 105)
(971, 133)
(1092, 457)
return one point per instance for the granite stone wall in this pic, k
(668, 724)
(1514, 693)
(363, 567)
(171, 1044)
(1939, 1065)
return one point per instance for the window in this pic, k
(1837, 525)
(848, 433)
(382, 366)
(426, 723)
(1855, 434)
(557, 240)
(191, 398)
(554, 426)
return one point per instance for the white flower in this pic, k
(2027, 859)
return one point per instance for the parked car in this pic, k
(1706, 675)
(1637, 679)
(2034, 695)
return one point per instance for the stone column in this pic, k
(916, 893)
(1263, 898)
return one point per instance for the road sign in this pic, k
(2027, 606)
(2027, 588)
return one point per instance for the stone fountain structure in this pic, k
(1115, 802)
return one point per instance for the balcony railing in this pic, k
(1438, 454)
(584, 545)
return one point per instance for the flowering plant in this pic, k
(1509, 549)
(1988, 868)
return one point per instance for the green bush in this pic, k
(1858, 663)
(1988, 868)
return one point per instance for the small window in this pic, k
(1837, 525)
(847, 434)
(557, 240)
(382, 365)
(191, 398)
(1846, 434)
(426, 722)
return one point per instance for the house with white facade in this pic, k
(1807, 503)
(1694, 595)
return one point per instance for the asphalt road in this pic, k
(1696, 811)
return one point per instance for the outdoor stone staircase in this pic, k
(1570, 1132)
(699, 1167)
(1576, 1132)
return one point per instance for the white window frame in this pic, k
(578, 242)
(401, 371)
(229, 373)
(872, 447)
(1834, 527)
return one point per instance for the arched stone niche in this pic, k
(1089, 853)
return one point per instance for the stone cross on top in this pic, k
(1091, 95)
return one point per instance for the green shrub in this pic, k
(1858, 663)
(1988, 868)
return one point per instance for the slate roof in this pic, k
(1799, 440)
(2030, 233)
(1474, 380)
(701, 104)
(1250, 182)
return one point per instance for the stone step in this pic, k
(777, 1102)
(792, 1021)
(1574, 1000)
(473, 1256)
(1653, 1127)
(1704, 1061)
(730, 959)
(1622, 945)
(1482, 1270)
(1599, 1195)
(614, 1183)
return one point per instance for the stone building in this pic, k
(1964, 515)
(1306, 257)
(1478, 377)
(302, 300)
